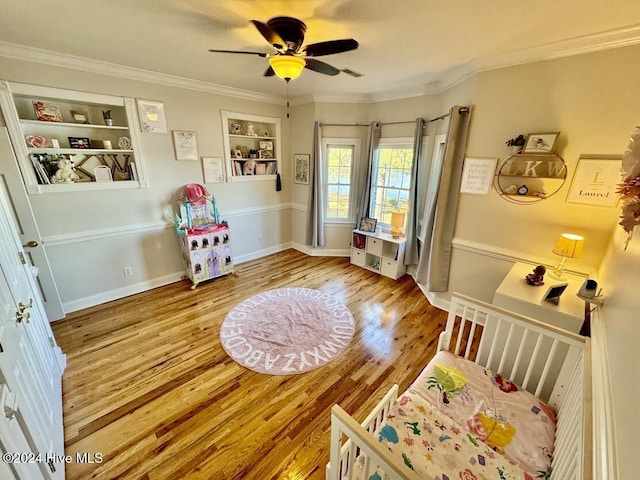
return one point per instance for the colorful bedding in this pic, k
(458, 420)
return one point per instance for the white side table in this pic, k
(515, 294)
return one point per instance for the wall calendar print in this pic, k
(477, 175)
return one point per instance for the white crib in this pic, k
(547, 361)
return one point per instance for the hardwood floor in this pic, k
(149, 387)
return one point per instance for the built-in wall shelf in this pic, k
(47, 125)
(252, 146)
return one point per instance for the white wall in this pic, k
(90, 236)
(620, 279)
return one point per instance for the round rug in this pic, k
(287, 331)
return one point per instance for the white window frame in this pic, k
(351, 142)
(386, 142)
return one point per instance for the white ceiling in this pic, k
(405, 45)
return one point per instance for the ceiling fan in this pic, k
(286, 35)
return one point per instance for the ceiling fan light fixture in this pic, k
(287, 67)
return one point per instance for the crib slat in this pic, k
(534, 357)
(507, 347)
(516, 363)
(471, 333)
(547, 366)
(493, 342)
(463, 319)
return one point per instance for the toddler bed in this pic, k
(506, 397)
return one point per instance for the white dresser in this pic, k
(515, 294)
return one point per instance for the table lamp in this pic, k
(397, 223)
(568, 245)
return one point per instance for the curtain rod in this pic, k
(381, 123)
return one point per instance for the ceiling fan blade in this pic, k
(321, 67)
(330, 47)
(269, 72)
(244, 52)
(272, 37)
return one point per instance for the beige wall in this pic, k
(89, 270)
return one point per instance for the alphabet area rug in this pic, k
(287, 331)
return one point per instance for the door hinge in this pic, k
(9, 402)
(22, 259)
(51, 466)
(52, 343)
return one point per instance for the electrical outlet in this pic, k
(127, 271)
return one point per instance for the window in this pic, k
(391, 178)
(340, 156)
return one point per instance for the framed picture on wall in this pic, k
(185, 145)
(301, 168)
(151, 115)
(212, 169)
(595, 180)
(540, 142)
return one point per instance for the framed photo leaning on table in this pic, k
(368, 224)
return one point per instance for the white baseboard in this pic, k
(262, 253)
(122, 292)
(321, 252)
(140, 287)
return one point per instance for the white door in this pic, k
(27, 229)
(30, 361)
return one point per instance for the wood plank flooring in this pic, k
(149, 387)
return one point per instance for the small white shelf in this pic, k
(84, 187)
(235, 135)
(41, 123)
(75, 151)
(378, 252)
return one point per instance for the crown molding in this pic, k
(47, 57)
(575, 46)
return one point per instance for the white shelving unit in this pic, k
(378, 252)
(16, 101)
(244, 133)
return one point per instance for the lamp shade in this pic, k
(397, 222)
(569, 245)
(397, 219)
(287, 67)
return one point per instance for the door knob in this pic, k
(23, 306)
(20, 316)
(31, 244)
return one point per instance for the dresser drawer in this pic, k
(358, 257)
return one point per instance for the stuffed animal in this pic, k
(249, 167)
(65, 172)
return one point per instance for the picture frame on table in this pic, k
(47, 112)
(368, 224)
(185, 145)
(301, 168)
(596, 180)
(554, 292)
(80, 116)
(540, 142)
(79, 142)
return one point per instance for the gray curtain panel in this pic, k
(411, 253)
(315, 220)
(435, 256)
(374, 140)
